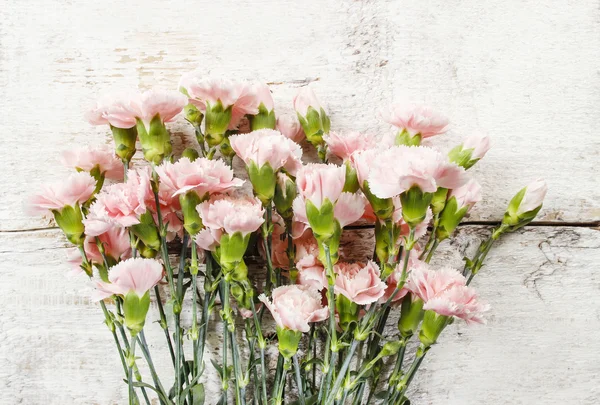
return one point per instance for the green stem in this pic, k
(261, 346)
(225, 315)
(146, 351)
(240, 387)
(299, 380)
(436, 243)
(131, 361)
(342, 373)
(194, 331)
(267, 240)
(410, 374)
(281, 384)
(163, 323)
(397, 372)
(205, 308)
(333, 343)
(431, 238)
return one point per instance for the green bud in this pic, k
(263, 181)
(193, 115)
(411, 314)
(288, 341)
(462, 157)
(285, 194)
(217, 120)
(321, 219)
(135, 309)
(155, 140)
(347, 310)
(124, 142)
(438, 202)
(414, 205)
(432, 327)
(191, 218)
(264, 119)
(145, 251)
(147, 232)
(190, 153)
(226, 149)
(382, 207)
(450, 218)
(391, 348)
(513, 217)
(243, 292)
(315, 124)
(351, 183)
(404, 138)
(70, 220)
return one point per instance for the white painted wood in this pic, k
(524, 71)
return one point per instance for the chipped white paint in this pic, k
(524, 71)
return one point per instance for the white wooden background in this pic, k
(525, 71)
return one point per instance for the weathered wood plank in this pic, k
(541, 344)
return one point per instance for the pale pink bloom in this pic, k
(263, 95)
(359, 283)
(311, 272)
(202, 175)
(394, 278)
(479, 143)
(170, 208)
(318, 182)
(467, 195)
(116, 245)
(294, 306)
(290, 127)
(343, 145)
(77, 188)
(363, 161)
(120, 204)
(87, 158)
(427, 283)
(247, 103)
(117, 109)
(305, 98)
(401, 167)
(225, 214)
(416, 119)
(166, 103)
(420, 229)
(304, 245)
(268, 146)
(132, 275)
(459, 301)
(534, 196)
(349, 208)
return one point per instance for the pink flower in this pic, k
(202, 175)
(359, 283)
(268, 146)
(132, 275)
(427, 283)
(116, 245)
(311, 272)
(304, 99)
(303, 246)
(116, 109)
(479, 143)
(290, 127)
(344, 145)
(318, 182)
(363, 161)
(77, 188)
(416, 119)
(228, 215)
(294, 306)
(534, 196)
(349, 208)
(467, 195)
(459, 301)
(86, 159)
(402, 167)
(263, 95)
(119, 204)
(166, 103)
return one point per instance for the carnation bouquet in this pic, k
(184, 232)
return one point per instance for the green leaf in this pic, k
(218, 367)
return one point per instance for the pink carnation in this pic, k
(416, 119)
(349, 208)
(303, 246)
(304, 99)
(132, 275)
(268, 146)
(318, 182)
(116, 245)
(290, 127)
(359, 283)
(459, 301)
(427, 283)
(311, 272)
(119, 204)
(402, 167)
(363, 161)
(77, 188)
(263, 95)
(534, 196)
(202, 175)
(228, 215)
(86, 159)
(116, 109)
(166, 103)
(467, 195)
(479, 143)
(344, 145)
(294, 306)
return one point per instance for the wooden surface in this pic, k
(524, 71)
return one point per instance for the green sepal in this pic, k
(462, 157)
(382, 207)
(432, 326)
(347, 310)
(284, 197)
(514, 220)
(146, 231)
(351, 183)
(405, 138)
(438, 202)
(414, 205)
(450, 218)
(263, 181)
(321, 219)
(190, 153)
(145, 251)
(243, 292)
(231, 250)
(124, 139)
(217, 120)
(382, 241)
(135, 310)
(288, 341)
(333, 241)
(312, 126)
(391, 348)
(191, 218)
(411, 314)
(325, 121)
(193, 115)
(155, 141)
(264, 119)
(226, 149)
(70, 220)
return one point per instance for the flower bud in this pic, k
(285, 194)
(70, 220)
(190, 153)
(321, 219)
(460, 201)
(414, 205)
(290, 127)
(470, 151)
(155, 140)
(391, 348)
(191, 218)
(193, 115)
(432, 327)
(525, 205)
(383, 208)
(438, 202)
(124, 142)
(217, 120)
(312, 116)
(147, 231)
(288, 341)
(411, 314)
(266, 112)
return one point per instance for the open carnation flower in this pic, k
(343, 145)
(102, 159)
(290, 127)
(77, 188)
(360, 283)
(416, 119)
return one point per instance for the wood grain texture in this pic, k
(525, 71)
